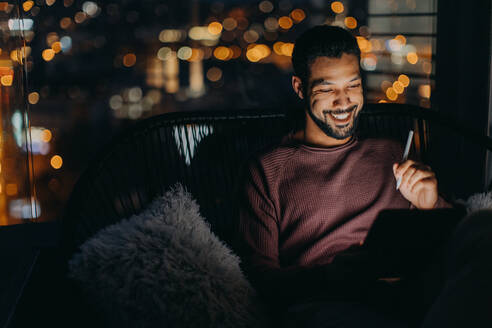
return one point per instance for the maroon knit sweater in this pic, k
(303, 205)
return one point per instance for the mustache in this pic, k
(339, 111)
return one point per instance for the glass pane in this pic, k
(399, 51)
(17, 201)
(402, 6)
(96, 67)
(405, 25)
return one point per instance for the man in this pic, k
(309, 203)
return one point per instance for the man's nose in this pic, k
(342, 100)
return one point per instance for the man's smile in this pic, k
(340, 117)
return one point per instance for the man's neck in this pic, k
(313, 135)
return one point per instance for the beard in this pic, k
(337, 132)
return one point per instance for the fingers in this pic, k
(412, 172)
(425, 183)
(401, 168)
(419, 176)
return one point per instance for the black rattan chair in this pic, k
(204, 151)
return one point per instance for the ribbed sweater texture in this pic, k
(303, 205)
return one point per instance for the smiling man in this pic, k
(309, 202)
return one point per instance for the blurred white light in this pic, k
(38, 145)
(24, 208)
(369, 63)
(135, 94)
(409, 48)
(16, 24)
(90, 8)
(394, 45)
(184, 53)
(164, 53)
(66, 43)
(202, 33)
(397, 58)
(171, 35)
(135, 111)
(17, 125)
(115, 102)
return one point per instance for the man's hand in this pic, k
(418, 183)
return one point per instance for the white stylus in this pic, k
(405, 155)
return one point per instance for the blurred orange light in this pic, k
(215, 28)
(405, 80)
(364, 44)
(385, 85)
(56, 162)
(285, 22)
(11, 189)
(129, 60)
(350, 22)
(287, 49)
(7, 80)
(214, 74)
(65, 22)
(33, 98)
(27, 5)
(196, 55)
(242, 23)
(236, 51)
(264, 50)
(265, 6)
(48, 54)
(251, 36)
(398, 87)
(401, 38)
(257, 52)
(391, 94)
(412, 58)
(229, 23)
(337, 7)
(222, 53)
(56, 47)
(4, 6)
(425, 91)
(297, 15)
(382, 101)
(46, 135)
(277, 47)
(253, 55)
(80, 17)
(14, 55)
(427, 67)
(271, 24)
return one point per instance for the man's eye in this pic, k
(325, 90)
(354, 86)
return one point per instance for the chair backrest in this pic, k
(204, 151)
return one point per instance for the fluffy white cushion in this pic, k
(479, 201)
(165, 268)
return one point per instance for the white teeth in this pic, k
(341, 116)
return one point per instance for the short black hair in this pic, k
(321, 41)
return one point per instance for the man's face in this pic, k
(335, 95)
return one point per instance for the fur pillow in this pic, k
(165, 268)
(478, 201)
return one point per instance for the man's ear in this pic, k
(297, 86)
